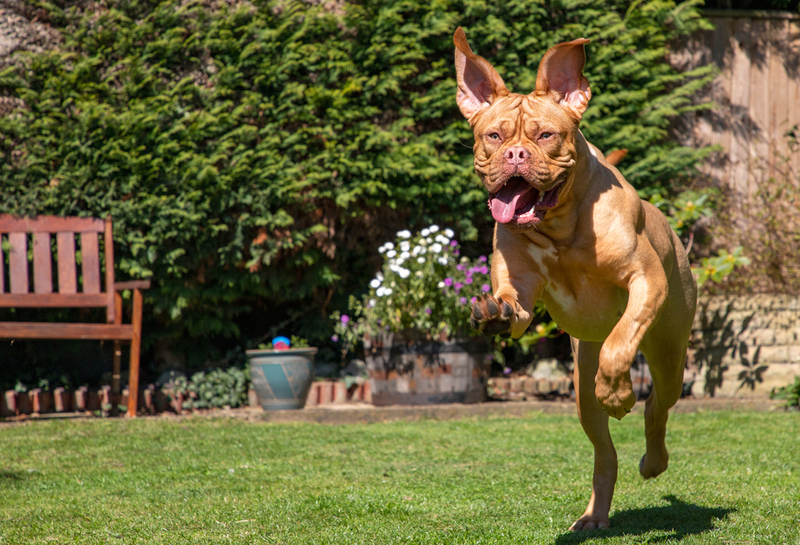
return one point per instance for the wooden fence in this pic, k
(757, 93)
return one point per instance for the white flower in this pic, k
(449, 233)
(375, 284)
(405, 255)
(380, 292)
(387, 291)
(440, 285)
(425, 232)
(418, 250)
(372, 303)
(444, 241)
(428, 240)
(405, 246)
(382, 249)
(442, 260)
(420, 260)
(404, 234)
(418, 274)
(433, 229)
(436, 248)
(403, 272)
(391, 253)
(379, 276)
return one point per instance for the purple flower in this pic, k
(474, 300)
(484, 270)
(507, 371)
(453, 243)
(448, 282)
(460, 267)
(483, 259)
(463, 300)
(335, 338)
(468, 280)
(459, 285)
(428, 311)
(345, 318)
(486, 287)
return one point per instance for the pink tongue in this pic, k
(505, 204)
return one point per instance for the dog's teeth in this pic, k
(541, 198)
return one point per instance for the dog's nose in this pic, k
(516, 155)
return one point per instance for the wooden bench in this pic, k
(44, 289)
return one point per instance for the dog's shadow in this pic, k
(679, 519)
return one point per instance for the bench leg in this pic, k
(115, 378)
(136, 345)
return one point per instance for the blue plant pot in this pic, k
(282, 378)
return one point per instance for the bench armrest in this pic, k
(132, 285)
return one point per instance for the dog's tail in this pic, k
(616, 156)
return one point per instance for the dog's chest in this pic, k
(578, 298)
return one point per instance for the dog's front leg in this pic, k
(647, 291)
(516, 286)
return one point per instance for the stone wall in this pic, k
(744, 346)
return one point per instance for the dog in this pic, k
(570, 231)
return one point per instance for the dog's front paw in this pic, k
(492, 316)
(615, 395)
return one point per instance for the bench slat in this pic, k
(67, 281)
(44, 330)
(90, 263)
(18, 262)
(42, 264)
(50, 224)
(53, 300)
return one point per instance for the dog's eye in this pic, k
(545, 135)
(494, 136)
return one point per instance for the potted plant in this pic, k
(281, 373)
(414, 322)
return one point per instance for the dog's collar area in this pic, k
(519, 202)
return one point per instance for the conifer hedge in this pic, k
(254, 154)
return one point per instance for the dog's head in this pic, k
(524, 144)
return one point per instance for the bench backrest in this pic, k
(65, 288)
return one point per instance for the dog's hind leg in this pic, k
(595, 423)
(665, 351)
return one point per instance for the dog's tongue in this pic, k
(505, 203)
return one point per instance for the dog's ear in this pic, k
(561, 72)
(479, 84)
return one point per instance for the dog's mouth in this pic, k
(519, 202)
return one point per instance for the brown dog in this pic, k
(572, 232)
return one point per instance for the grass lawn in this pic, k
(734, 478)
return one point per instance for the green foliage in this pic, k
(790, 393)
(717, 267)
(253, 155)
(214, 389)
(294, 342)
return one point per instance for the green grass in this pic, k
(734, 478)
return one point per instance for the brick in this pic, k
(531, 386)
(771, 354)
(60, 400)
(515, 385)
(23, 403)
(313, 395)
(8, 403)
(82, 399)
(339, 393)
(325, 393)
(759, 337)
